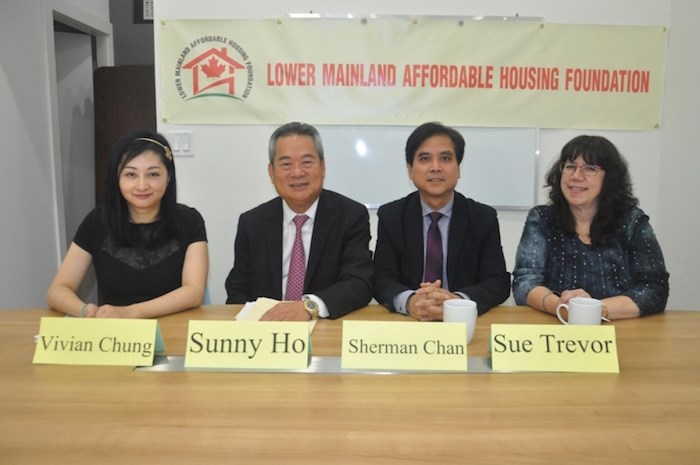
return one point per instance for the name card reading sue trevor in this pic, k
(417, 346)
(591, 349)
(97, 341)
(257, 345)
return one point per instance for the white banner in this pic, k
(408, 71)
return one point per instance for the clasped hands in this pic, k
(426, 303)
(571, 293)
(111, 311)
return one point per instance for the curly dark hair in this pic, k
(615, 196)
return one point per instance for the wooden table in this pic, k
(649, 413)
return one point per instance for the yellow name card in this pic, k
(591, 349)
(96, 341)
(418, 346)
(256, 345)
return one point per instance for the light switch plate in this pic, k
(182, 143)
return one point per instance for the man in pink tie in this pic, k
(435, 244)
(308, 247)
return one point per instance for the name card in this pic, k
(96, 341)
(419, 346)
(257, 345)
(591, 349)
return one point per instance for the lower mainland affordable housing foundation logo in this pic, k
(213, 66)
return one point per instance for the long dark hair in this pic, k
(116, 209)
(615, 196)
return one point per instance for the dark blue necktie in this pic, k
(433, 250)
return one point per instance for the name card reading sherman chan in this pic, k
(256, 345)
(416, 346)
(591, 349)
(96, 341)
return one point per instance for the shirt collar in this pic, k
(446, 210)
(288, 214)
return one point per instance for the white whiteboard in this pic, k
(367, 164)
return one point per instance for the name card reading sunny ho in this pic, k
(97, 341)
(255, 345)
(414, 346)
(572, 348)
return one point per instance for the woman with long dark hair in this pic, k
(591, 240)
(149, 252)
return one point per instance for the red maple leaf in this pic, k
(213, 69)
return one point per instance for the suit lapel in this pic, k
(273, 239)
(323, 224)
(413, 228)
(457, 235)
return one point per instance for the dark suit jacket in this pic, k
(339, 269)
(475, 263)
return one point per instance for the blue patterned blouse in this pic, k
(632, 264)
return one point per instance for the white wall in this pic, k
(33, 231)
(677, 220)
(227, 175)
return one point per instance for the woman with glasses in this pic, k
(149, 252)
(591, 240)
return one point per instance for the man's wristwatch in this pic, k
(310, 306)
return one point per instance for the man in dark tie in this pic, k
(435, 244)
(308, 247)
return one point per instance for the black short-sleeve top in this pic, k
(130, 274)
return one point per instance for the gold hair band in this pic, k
(168, 153)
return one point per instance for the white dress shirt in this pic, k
(289, 231)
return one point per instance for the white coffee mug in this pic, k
(460, 311)
(582, 311)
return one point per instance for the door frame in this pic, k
(101, 30)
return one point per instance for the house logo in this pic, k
(222, 70)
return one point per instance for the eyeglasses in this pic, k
(586, 170)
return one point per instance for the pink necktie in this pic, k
(297, 264)
(433, 249)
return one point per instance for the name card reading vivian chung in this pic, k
(96, 341)
(248, 345)
(414, 346)
(586, 349)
